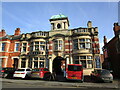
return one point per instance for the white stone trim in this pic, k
(50, 44)
(3, 56)
(68, 49)
(15, 57)
(4, 41)
(68, 43)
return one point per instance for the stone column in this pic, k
(32, 63)
(26, 63)
(50, 64)
(67, 60)
(19, 63)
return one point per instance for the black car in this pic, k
(102, 75)
(7, 72)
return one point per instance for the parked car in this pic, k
(101, 75)
(7, 72)
(41, 73)
(22, 73)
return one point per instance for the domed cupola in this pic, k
(59, 22)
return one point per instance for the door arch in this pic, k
(57, 65)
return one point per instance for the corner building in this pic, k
(78, 45)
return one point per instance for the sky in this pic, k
(34, 16)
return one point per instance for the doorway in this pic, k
(57, 63)
(15, 65)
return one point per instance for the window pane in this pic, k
(88, 40)
(82, 45)
(89, 57)
(24, 44)
(56, 45)
(87, 45)
(82, 57)
(89, 61)
(42, 47)
(82, 40)
(35, 64)
(90, 64)
(76, 57)
(24, 49)
(17, 46)
(36, 42)
(75, 43)
(41, 58)
(3, 46)
(83, 63)
(41, 42)
(77, 62)
(35, 58)
(36, 47)
(41, 64)
(98, 64)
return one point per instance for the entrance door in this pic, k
(57, 62)
(15, 65)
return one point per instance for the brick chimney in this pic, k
(2, 33)
(116, 28)
(17, 31)
(105, 40)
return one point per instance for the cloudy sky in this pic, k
(34, 16)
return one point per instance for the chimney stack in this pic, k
(2, 33)
(116, 28)
(105, 40)
(17, 31)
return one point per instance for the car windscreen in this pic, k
(35, 69)
(46, 69)
(21, 70)
(74, 68)
(105, 72)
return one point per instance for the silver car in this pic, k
(102, 75)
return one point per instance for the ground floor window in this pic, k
(86, 61)
(38, 62)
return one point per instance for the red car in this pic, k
(42, 73)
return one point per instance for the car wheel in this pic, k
(111, 81)
(47, 77)
(26, 77)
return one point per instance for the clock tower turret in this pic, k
(59, 22)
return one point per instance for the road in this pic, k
(20, 83)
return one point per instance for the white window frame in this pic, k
(15, 47)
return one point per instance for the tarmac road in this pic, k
(19, 83)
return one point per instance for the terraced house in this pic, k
(41, 48)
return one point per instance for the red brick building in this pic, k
(111, 52)
(9, 48)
